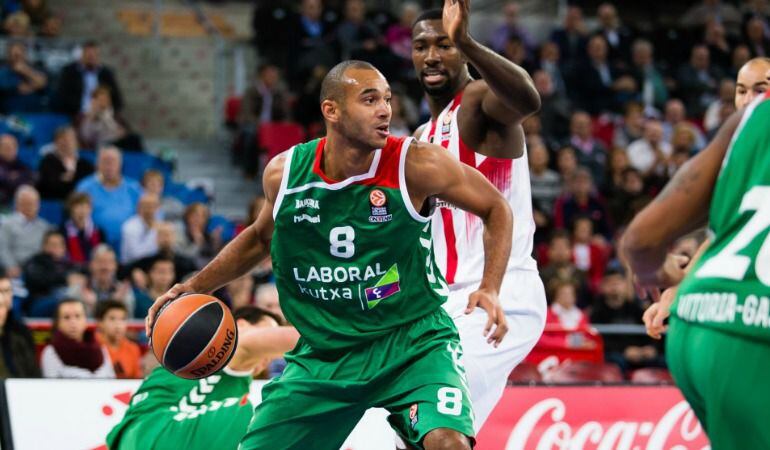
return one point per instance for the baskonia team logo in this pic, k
(379, 207)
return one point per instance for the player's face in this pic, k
(752, 82)
(437, 62)
(365, 115)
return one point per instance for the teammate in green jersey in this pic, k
(168, 412)
(347, 220)
(718, 347)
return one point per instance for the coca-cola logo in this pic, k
(543, 427)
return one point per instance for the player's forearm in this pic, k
(235, 260)
(510, 83)
(498, 232)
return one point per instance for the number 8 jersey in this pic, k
(729, 287)
(352, 259)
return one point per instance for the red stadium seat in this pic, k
(275, 137)
(575, 345)
(585, 371)
(652, 375)
(525, 373)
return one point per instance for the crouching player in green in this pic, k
(168, 412)
(718, 347)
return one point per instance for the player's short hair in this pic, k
(429, 14)
(253, 314)
(333, 85)
(105, 306)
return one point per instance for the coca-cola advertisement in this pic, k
(592, 418)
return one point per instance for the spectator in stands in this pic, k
(546, 183)
(515, 51)
(756, 37)
(403, 114)
(354, 33)
(628, 198)
(153, 182)
(17, 25)
(101, 125)
(74, 352)
(555, 107)
(752, 81)
(21, 234)
(617, 36)
(581, 199)
(650, 154)
(590, 152)
(649, 78)
(266, 100)
(102, 282)
(81, 235)
(564, 310)
(589, 252)
(161, 275)
(715, 38)
(21, 84)
(167, 249)
(617, 305)
(618, 163)
(17, 351)
(13, 173)
(571, 37)
(125, 354)
(676, 114)
(63, 168)
(195, 241)
(699, 15)
(113, 196)
(511, 28)
(682, 141)
(566, 162)
(698, 81)
(266, 297)
(741, 55)
(139, 235)
(559, 265)
(399, 34)
(307, 111)
(239, 292)
(312, 41)
(603, 87)
(550, 62)
(46, 275)
(712, 118)
(79, 79)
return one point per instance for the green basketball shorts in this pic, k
(414, 372)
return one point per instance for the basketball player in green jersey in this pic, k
(347, 224)
(168, 412)
(718, 347)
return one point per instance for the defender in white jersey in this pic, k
(479, 122)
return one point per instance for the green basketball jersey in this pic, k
(165, 398)
(729, 287)
(352, 259)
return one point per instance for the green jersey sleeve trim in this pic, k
(402, 183)
(284, 181)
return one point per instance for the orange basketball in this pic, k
(194, 336)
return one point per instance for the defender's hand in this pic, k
(488, 301)
(455, 19)
(175, 291)
(657, 313)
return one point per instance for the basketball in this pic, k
(194, 336)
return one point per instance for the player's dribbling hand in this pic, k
(657, 313)
(487, 300)
(175, 291)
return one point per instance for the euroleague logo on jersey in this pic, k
(379, 207)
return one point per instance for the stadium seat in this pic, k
(228, 227)
(555, 341)
(525, 373)
(652, 375)
(43, 125)
(30, 157)
(585, 372)
(275, 137)
(52, 211)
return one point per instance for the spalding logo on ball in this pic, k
(194, 336)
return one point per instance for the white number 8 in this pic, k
(341, 240)
(450, 401)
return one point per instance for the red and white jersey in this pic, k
(458, 235)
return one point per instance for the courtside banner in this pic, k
(592, 418)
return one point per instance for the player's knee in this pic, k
(446, 439)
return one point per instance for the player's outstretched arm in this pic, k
(239, 256)
(432, 171)
(507, 94)
(681, 208)
(257, 344)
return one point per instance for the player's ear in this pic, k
(330, 109)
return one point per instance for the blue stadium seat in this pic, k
(52, 211)
(228, 227)
(30, 157)
(43, 125)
